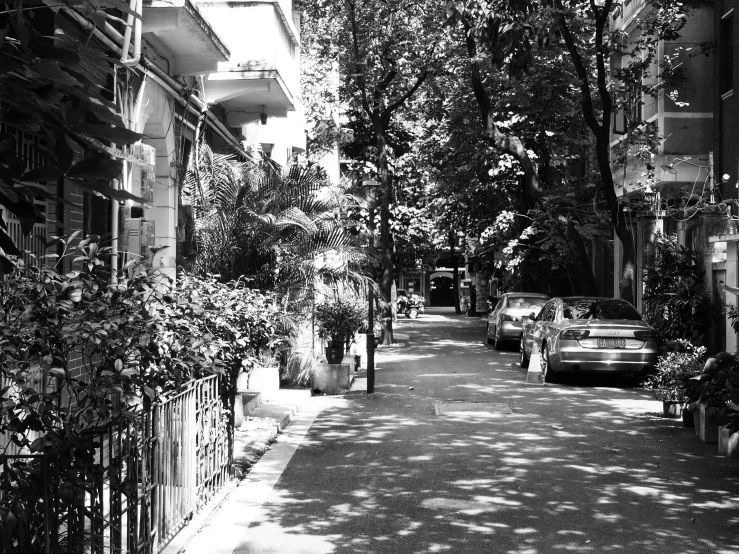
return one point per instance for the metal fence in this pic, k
(195, 461)
(150, 477)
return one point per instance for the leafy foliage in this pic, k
(673, 370)
(338, 319)
(280, 228)
(80, 357)
(675, 293)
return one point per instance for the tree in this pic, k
(584, 28)
(390, 49)
(506, 38)
(511, 37)
(283, 229)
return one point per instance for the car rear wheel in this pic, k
(546, 367)
(413, 313)
(523, 359)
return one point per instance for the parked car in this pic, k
(590, 334)
(513, 308)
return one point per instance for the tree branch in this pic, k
(503, 143)
(407, 94)
(361, 80)
(601, 21)
(582, 74)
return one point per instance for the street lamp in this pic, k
(370, 185)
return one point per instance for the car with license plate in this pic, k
(512, 310)
(586, 333)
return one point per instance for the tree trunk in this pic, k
(386, 244)
(618, 219)
(455, 273)
(580, 261)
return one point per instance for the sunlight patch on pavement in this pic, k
(479, 409)
(468, 506)
(608, 518)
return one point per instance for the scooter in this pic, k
(414, 306)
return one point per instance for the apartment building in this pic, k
(669, 155)
(230, 69)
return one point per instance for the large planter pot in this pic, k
(728, 442)
(334, 354)
(265, 379)
(708, 424)
(331, 378)
(671, 409)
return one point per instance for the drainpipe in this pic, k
(114, 207)
(136, 23)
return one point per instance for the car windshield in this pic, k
(590, 308)
(526, 301)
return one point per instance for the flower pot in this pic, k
(688, 418)
(728, 442)
(671, 409)
(697, 421)
(334, 354)
(709, 420)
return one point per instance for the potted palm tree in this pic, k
(337, 321)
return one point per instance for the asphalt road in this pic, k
(584, 466)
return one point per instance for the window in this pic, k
(726, 54)
(526, 302)
(547, 312)
(592, 308)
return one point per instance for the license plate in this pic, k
(611, 343)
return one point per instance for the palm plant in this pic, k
(284, 229)
(675, 294)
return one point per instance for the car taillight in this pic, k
(508, 317)
(645, 335)
(575, 334)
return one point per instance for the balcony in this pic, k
(262, 74)
(631, 9)
(177, 27)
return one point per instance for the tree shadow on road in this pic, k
(581, 467)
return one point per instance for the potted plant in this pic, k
(337, 321)
(673, 371)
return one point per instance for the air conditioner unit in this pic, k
(144, 176)
(137, 239)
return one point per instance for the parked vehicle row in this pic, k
(576, 333)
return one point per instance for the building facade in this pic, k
(229, 70)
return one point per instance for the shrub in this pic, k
(80, 357)
(673, 370)
(675, 298)
(338, 319)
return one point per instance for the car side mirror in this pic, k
(532, 315)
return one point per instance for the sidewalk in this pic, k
(262, 427)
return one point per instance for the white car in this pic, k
(506, 319)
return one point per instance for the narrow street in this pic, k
(585, 466)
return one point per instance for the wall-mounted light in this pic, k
(263, 116)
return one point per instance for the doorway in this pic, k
(442, 292)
